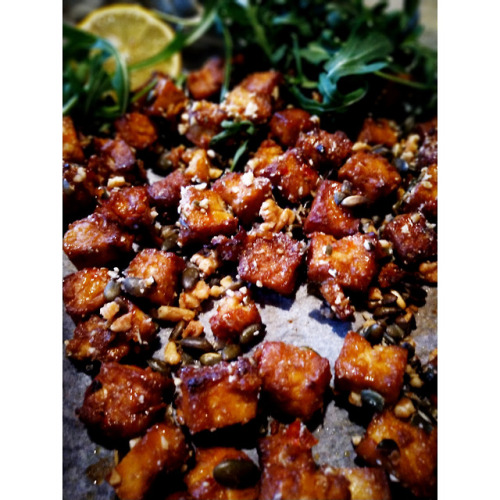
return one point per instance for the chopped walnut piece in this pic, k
(171, 355)
(193, 329)
(174, 314)
(193, 298)
(207, 264)
(275, 218)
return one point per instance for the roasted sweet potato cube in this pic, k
(124, 400)
(271, 261)
(165, 194)
(244, 193)
(267, 152)
(207, 81)
(136, 129)
(199, 165)
(203, 214)
(167, 100)
(164, 267)
(235, 312)
(404, 450)
(264, 82)
(413, 239)
(72, 149)
(323, 149)
(95, 241)
(83, 291)
(379, 368)
(422, 196)
(200, 480)
(378, 131)
(162, 449)
(326, 216)
(294, 378)
(203, 122)
(367, 483)
(218, 396)
(244, 104)
(371, 175)
(116, 154)
(286, 125)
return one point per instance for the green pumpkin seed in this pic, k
(250, 333)
(190, 277)
(137, 287)
(373, 399)
(196, 344)
(373, 332)
(112, 290)
(176, 332)
(395, 331)
(210, 358)
(159, 366)
(230, 352)
(236, 473)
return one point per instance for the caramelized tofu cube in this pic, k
(203, 121)
(199, 166)
(367, 483)
(116, 154)
(390, 274)
(244, 104)
(167, 100)
(124, 400)
(207, 81)
(95, 241)
(428, 151)
(378, 131)
(422, 196)
(271, 261)
(83, 291)
(267, 152)
(79, 191)
(361, 366)
(323, 149)
(404, 450)
(371, 175)
(326, 216)
(164, 267)
(286, 125)
(165, 194)
(413, 239)
(292, 176)
(72, 149)
(201, 483)
(264, 82)
(235, 312)
(295, 378)
(203, 214)
(244, 193)
(137, 130)
(333, 293)
(162, 449)
(218, 396)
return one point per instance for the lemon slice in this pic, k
(137, 33)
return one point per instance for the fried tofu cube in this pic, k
(367, 483)
(413, 239)
(162, 449)
(235, 312)
(95, 241)
(379, 368)
(165, 194)
(267, 152)
(72, 148)
(203, 214)
(218, 396)
(294, 378)
(323, 149)
(166, 99)
(136, 129)
(200, 480)
(207, 81)
(79, 191)
(244, 104)
(199, 166)
(286, 125)
(422, 196)
(83, 291)
(371, 175)
(124, 400)
(404, 450)
(116, 154)
(164, 267)
(244, 193)
(294, 178)
(263, 82)
(326, 216)
(427, 154)
(202, 122)
(378, 131)
(271, 261)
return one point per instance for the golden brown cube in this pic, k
(72, 149)
(117, 156)
(203, 122)
(422, 196)
(267, 152)
(167, 100)
(263, 82)
(136, 129)
(379, 131)
(244, 104)
(294, 378)
(367, 483)
(207, 81)
(286, 125)
(379, 368)
(428, 152)
(165, 194)
(218, 396)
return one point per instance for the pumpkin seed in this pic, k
(356, 200)
(373, 399)
(373, 332)
(230, 352)
(236, 473)
(395, 331)
(159, 366)
(384, 311)
(190, 276)
(250, 333)
(339, 196)
(170, 237)
(112, 290)
(196, 344)
(177, 330)
(137, 287)
(210, 358)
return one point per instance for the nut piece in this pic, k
(171, 355)
(175, 314)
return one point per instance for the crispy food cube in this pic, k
(324, 149)
(244, 193)
(294, 378)
(428, 151)
(79, 191)
(351, 261)
(422, 196)
(218, 396)
(378, 131)
(116, 154)
(263, 82)
(371, 175)
(390, 274)
(203, 214)
(367, 483)
(136, 129)
(199, 166)
(404, 450)
(413, 239)
(207, 81)
(166, 99)
(244, 104)
(162, 449)
(200, 480)
(266, 153)
(286, 125)
(204, 121)
(379, 368)
(72, 148)
(83, 291)
(294, 178)
(164, 267)
(271, 261)
(235, 312)
(165, 194)
(289, 470)
(340, 304)
(124, 400)
(326, 216)
(95, 241)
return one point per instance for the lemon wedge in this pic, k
(137, 33)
